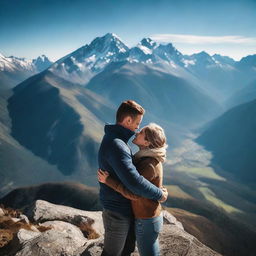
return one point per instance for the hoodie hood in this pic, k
(158, 153)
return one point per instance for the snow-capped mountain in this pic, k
(14, 70)
(169, 53)
(42, 63)
(223, 59)
(143, 52)
(84, 63)
(13, 63)
(149, 52)
(220, 75)
(81, 65)
(203, 59)
(149, 43)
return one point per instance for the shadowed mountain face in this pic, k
(231, 138)
(49, 118)
(157, 91)
(18, 165)
(44, 123)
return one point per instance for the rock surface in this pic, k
(174, 241)
(25, 235)
(1, 212)
(69, 234)
(63, 239)
(42, 211)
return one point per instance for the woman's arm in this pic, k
(104, 177)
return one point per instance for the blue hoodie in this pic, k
(115, 157)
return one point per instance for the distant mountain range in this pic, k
(58, 114)
(13, 70)
(220, 75)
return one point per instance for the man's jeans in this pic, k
(147, 231)
(119, 239)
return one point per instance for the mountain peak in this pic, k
(249, 60)
(41, 58)
(112, 35)
(108, 42)
(168, 48)
(223, 59)
(148, 42)
(202, 57)
(41, 62)
(202, 54)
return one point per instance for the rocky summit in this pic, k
(47, 229)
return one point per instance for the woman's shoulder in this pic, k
(149, 167)
(147, 161)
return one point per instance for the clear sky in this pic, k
(29, 28)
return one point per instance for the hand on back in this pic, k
(165, 195)
(102, 176)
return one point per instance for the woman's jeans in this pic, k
(147, 231)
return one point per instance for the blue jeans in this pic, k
(147, 231)
(119, 238)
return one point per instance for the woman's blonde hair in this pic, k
(155, 135)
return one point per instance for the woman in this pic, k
(148, 160)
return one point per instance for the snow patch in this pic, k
(188, 62)
(144, 49)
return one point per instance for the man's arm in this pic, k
(104, 177)
(120, 159)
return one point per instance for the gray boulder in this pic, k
(62, 239)
(52, 243)
(42, 211)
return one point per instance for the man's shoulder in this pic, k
(119, 144)
(115, 144)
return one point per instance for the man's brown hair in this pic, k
(129, 108)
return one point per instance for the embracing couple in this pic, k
(131, 185)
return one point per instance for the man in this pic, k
(115, 156)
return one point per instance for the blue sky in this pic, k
(29, 28)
